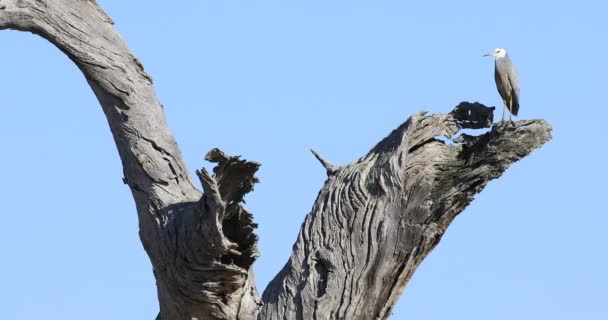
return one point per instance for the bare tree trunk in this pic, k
(372, 224)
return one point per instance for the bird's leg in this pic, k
(511, 111)
(504, 106)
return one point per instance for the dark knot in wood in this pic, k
(473, 115)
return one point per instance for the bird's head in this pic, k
(497, 53)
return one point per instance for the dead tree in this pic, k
(372, 224)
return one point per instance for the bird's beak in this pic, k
(487, 54)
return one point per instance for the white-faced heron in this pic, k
(507, 81)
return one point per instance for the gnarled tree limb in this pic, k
(378, 217)
(191, 239)
(372, 224)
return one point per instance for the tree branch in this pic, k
(330, 167)
(201, 246)
(378, 217)
(152, 162)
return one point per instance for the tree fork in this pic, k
(371, 225)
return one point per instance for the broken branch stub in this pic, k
(222, 215)
(330, 168)
(207, 273)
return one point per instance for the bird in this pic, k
(507, 81)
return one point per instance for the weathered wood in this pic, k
(370, 227)
(211, 248)
(330, 167)
(377, 218)
(192, 259)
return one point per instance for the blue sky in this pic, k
(270, 79)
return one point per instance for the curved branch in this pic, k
(201, 246)
(378, 217)
(152, 162)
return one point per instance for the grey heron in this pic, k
(507, 81)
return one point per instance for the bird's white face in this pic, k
(498, 53)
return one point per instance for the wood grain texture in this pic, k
(194, 277)
(372, 224)
(376, 219)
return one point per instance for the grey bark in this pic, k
(376, 219)
(372, 224)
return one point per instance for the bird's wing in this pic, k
(514, 80)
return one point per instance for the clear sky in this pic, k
(270, 79)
